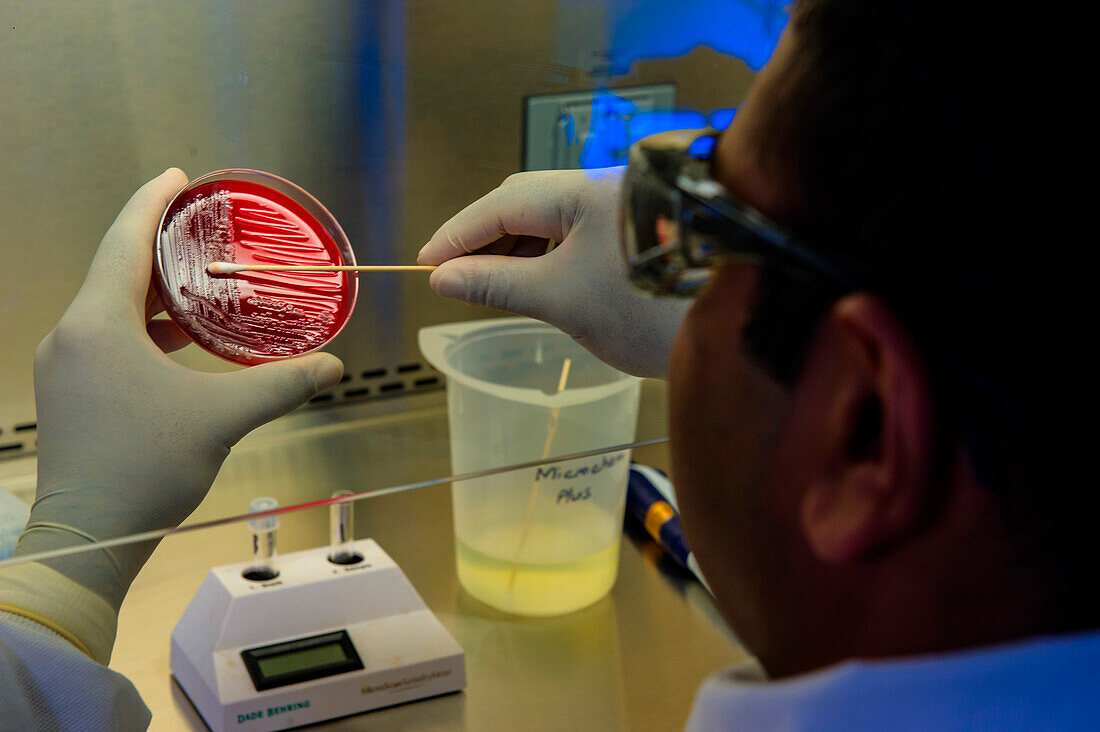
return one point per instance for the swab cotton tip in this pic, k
(217, 268)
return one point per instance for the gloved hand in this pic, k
(129, 440)
(580, 286)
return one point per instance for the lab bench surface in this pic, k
(632, 661)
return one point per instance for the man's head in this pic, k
(857, 469)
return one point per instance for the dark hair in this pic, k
(892, 122)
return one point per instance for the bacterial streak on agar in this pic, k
(254, 316)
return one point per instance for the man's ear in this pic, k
(874, 478)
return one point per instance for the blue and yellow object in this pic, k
(651, 500)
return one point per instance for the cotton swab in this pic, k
(551, 430)
(228, 268)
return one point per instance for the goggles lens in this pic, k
(671, 236)
(678, 222)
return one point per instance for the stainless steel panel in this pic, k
(394, 113)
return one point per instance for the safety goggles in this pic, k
(678, 222)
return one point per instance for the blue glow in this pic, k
(570, 129)
(703, 146)
(616, 124)
(720, 118)
(644, 29)
(608, 131)
(380, 148)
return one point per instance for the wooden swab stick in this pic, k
(553, 428)
(225, 268)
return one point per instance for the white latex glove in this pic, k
(129, 440)
(580, 286)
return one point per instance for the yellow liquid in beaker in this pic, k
(538, 584)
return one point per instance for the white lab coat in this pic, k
(1050, 683)
(46, 684)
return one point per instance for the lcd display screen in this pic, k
(302, 659)
(286, 663)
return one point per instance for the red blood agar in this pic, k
(253, 317)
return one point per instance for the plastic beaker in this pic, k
(250, 217)
(544, 540)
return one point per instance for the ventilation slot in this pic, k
(405, 378)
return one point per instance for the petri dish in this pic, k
(252, 217)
